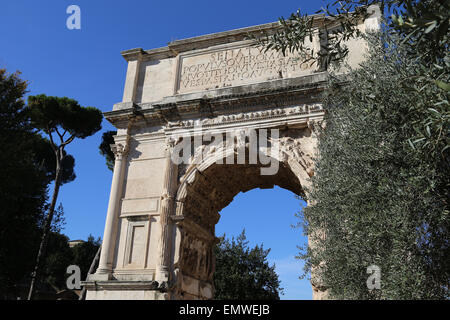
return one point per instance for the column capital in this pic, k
(119, 150)
(171, 141)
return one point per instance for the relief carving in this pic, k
(299, 149)
(242, 116)
(197, 257)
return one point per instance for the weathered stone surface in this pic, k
(161, 217)
(235, 65)
(206, 290)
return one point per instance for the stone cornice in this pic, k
(207, 102)
(133, 54)
(120, 285)
(173, 48)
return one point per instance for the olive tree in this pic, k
(422, 25)
(380, 194)
(377, 200)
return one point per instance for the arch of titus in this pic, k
(159, 233)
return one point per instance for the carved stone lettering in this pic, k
(237, 66)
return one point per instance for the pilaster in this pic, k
(167, 210)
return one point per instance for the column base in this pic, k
(162, 274)
(123, 290)
(190, 288)
(100, 276)
(319, 293)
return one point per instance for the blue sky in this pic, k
(86, 65)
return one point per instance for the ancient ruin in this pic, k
(160, 226)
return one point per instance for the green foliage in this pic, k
(61, 255)
(295, 32)
(45, 158)
(374, 199)
(105, 148)
(59, 221)
(287, 38)
(244, 273)
(28, 164)
(84, 253)
(423, 26)
(57, 117)
(424, 29)
(22, 185)
(380, 194)
(50, 113)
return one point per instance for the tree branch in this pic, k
(68, 140)
(51, 141)
(60, 136)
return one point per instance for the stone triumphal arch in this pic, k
(159, 233)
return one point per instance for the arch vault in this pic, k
(159, 230)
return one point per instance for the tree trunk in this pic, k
(91, 269)
(48, 223)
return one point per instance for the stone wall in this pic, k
(159, 232)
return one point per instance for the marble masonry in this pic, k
(159, 231)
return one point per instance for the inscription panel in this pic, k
(237, 65)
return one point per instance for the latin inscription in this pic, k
(237, 66)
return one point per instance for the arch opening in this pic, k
(200, 198)
(268, 217)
